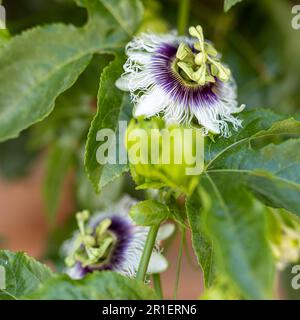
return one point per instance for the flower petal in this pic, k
(122, 84)
(158, 263)
(165, 231)
(140, 57)
(151, 103)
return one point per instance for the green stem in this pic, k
(147, 253)
(179, 259)
(157, 285)
(183, 16)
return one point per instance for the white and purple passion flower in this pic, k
(181, 78)
(111, 241)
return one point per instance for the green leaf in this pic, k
(149, 213)
(88, 199)
(60, 160)
(272, 173)
(202, 244)
(245, 165)
(16, 157)
(230, 3)
(23, 274)
(127, 13)
(58, 164)
(38, 76)
(236, 223)
(222, 289)
(4, 37)
(104, 285)
(255, 123)
(111, 102)
(32, 77)
(111, 172)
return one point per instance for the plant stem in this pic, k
(147, 253)
(179, 259)
(157, 285)
(183, 16)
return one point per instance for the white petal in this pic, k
(150, 103)
(140, 57)
(133, 81)
(213, 127)
(75, 272)
(123, 206)
(208, 119)
(122, 84)
(165, 231)
(158, 263)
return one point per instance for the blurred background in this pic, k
(38, 199)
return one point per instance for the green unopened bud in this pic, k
(162, 156)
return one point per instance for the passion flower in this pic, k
(181, 78)
(111, 241)
(284, 237)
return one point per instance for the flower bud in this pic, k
(164, 156)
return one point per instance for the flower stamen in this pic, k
(203, 66)
(91, 248)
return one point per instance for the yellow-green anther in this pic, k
(200, 58)
(70, 261)
(88, 240)
(188, 70)
(210, 79)
(202, 66)
(199, 75)
(88, 230)
(183, 51)
(102, 227)
(214, 70)
(223, 73)
(91, 248)
(95, 255)
(210, 50)
(198, 33)
(82, 216)
(105, 245)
